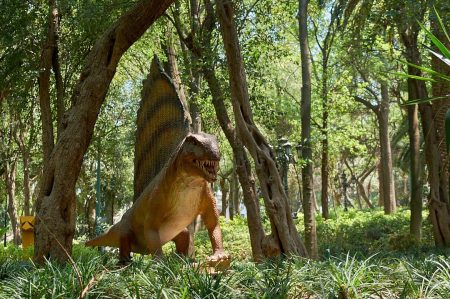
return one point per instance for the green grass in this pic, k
(361, 257)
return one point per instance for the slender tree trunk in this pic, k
(172, 65)
(359, 182)
(44, 82)
(438, 205)
(10, 182)
(385, 169)
(243, 168)
(307, 171)
(284, 238)
(232, 201)
(20, 139)
(60, 105)
(90, 215)
(225, 189)
(55, 207)
(194, 85)
(235, 190)
(325, 166)
(415, 227)
(441, 89)
(387, 176)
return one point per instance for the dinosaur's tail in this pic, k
(110, 238)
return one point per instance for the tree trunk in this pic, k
(24, 150)
(172, 66)
(231, 202)
(415, 227)
(359, 182)
(243, 167)
(194, 83)
(438, 205)
(386, 184)
(387, 177)
(325, 166)
(225, 189)
(44, 82)
(307, 171)
(55, 207)
(10, 182)
(441, 88)
(284, 237)
(90, 213)
(60, 105)
(235, 190)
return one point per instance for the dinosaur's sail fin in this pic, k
(162, 124)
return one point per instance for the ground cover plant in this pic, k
(358, 266)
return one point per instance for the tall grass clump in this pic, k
(368, 260)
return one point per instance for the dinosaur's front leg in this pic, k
(210, 217)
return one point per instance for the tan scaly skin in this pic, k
(170, 203)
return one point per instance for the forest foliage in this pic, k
(379, 102)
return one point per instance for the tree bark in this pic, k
(225, 189)
(194, 83)
(415, 227)
(90, 215)
(235, 193)
(60, 105)
(438, 205)
(307, 171)
(44, 82)
(243, 167)
(24, 149)
(284, 236)
(385, 168)
(415, 91)
(389, 201)
(55, 225)
(10, 182)
(359, 182)
(325, 166)
(441, 89)
(172, 65)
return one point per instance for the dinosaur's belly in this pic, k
(182, 214)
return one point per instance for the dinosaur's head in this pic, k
(200, 155)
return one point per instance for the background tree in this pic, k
(60, 174)
(307, 172)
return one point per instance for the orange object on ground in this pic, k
(27, 228)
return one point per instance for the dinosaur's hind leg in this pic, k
(124, 250)
(182, 242)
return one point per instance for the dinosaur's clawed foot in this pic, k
(219, 260)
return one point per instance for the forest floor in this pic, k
(364, 254)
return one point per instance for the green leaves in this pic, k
(444, 56)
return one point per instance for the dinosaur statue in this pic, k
(173, 172)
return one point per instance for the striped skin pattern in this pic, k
(162, 125)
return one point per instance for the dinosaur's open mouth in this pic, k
(208, 167)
